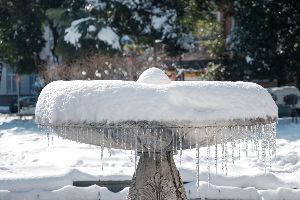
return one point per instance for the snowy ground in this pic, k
(30, 169)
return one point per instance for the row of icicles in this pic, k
(258, 138)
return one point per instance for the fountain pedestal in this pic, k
(156, 179)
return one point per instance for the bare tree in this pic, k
(102, 67)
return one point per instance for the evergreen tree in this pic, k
(266, 38)
(21, 34)
(143, 21)
(82, 27)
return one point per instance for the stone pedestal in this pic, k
(156, 179)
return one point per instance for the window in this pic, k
(11, 86)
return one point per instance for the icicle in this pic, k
(216, 152)
(91, 135)
(125, 139)
(63, 132)
(67, 133)
(48, 138)
(117, 136)
(122, 139)
(84, 135)
(81, 137)
(239, 142)
(274, 138)
(190, 134)
(197, 162)
(154, 145)
(58, 133)
(110, 140)
(77, 135)
(180, 146)
(176, 139)
(173, 141)
(226, 159)
(142, 140)
(135, 150)
(131, 145)
(149, 142)
(232, 131)
(207, 157)
(223, 149)
(263, 147)
(161, 144)
(257, 140)
(246, 131)
(99, 137)
(269, 145)
(251, 136)
(102, 147)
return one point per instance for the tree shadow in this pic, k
(20, 126)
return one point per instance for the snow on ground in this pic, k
(30, 169)
(4, 109)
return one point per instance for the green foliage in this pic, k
(23, 22)
(214, 72)
(21, 33)
(267, 35)
(222, 72)
(136, 19)
(210, 34)
(195, 10)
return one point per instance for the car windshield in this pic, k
(28, 99)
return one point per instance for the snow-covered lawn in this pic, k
(30, 169)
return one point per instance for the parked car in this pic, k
(282, 97)
(25, 102)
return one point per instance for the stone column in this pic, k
(156, 179)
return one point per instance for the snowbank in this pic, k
(30, 169)
(73, 102)
(66, 193)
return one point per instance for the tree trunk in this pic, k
(156, 179)
(281, 73)
(298, 78)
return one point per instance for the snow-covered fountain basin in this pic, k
(157, 118)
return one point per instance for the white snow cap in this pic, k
(153, 98)
(154, 75)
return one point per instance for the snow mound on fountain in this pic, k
(154, 76)
(203, 102)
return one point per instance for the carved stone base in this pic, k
(156, 179)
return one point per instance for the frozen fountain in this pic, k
(157, 118)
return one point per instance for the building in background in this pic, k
(28, 84)
(191, 66)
